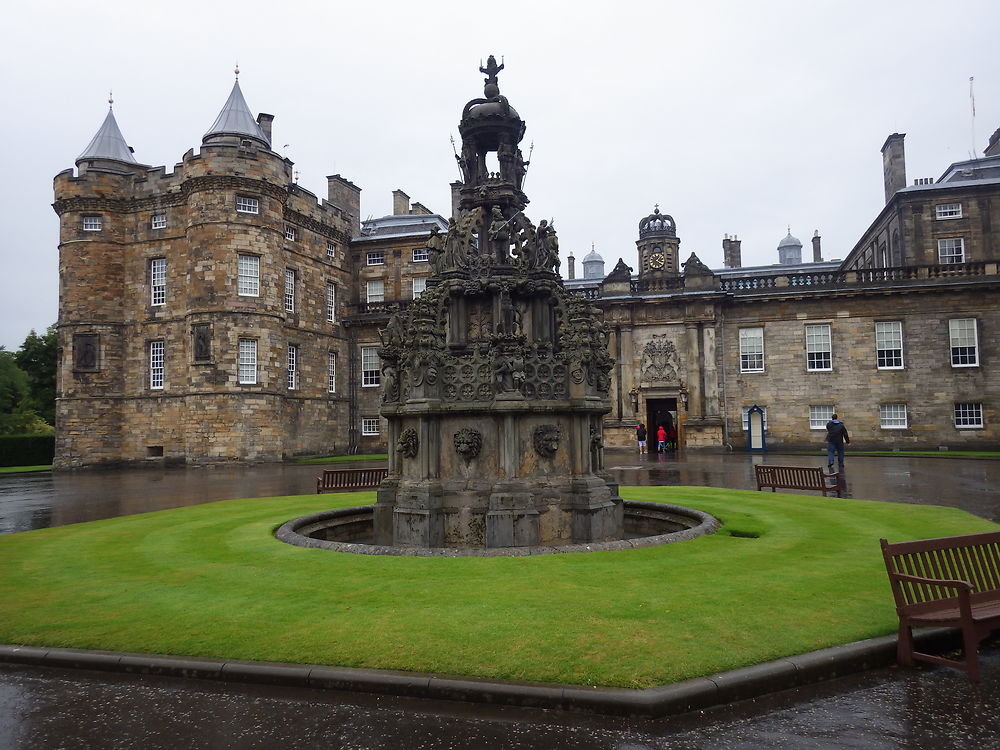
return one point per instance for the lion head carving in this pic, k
(408, 442)
(468, 442)
(546, 440)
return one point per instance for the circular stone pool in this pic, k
(352, 530)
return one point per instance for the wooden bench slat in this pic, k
(958, 585)
(350, 479)
(796, 478)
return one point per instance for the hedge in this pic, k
(27, 450)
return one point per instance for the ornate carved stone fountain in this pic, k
(495, 380)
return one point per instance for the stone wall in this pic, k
(927, 384)
(109, 413)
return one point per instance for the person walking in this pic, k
(640, 436)
(661, 440)
(836, 437)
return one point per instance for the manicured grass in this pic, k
(22, 469)
(338, 459)
(211, 580)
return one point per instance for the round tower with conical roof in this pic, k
(195, 312)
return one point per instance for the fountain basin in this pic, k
(352, 530)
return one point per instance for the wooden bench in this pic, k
(796, 478)
(350, 479)
(953, 581)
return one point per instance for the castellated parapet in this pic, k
(199, 308)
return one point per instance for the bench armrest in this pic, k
(943, 582)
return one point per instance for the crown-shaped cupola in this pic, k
(658, 245)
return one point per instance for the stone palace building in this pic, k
(219, 311)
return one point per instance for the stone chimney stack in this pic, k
(265, 120)
(571, 265)
(817, 253)
(893, 164)
(346, 196)
(993, 147)
(731, 252)
(400, 203)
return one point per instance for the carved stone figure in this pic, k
(548, 247)
(546, 440)
(390, 384)
(435, 246)
(509, 373)
(500, 235)
(468, 443)
(408, 442)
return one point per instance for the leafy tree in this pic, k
(15, 412)
(37, 358)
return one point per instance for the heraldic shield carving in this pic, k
(660, 363)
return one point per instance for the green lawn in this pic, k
(339, 459)
(211, 580)
(21, 469)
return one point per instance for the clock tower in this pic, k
(658, 246)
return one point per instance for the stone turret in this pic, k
(658, 245)
(495, 380)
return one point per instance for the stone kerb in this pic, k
(296, 532)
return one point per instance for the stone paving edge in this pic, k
(676, 698)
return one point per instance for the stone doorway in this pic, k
(662, 411)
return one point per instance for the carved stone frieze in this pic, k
(660, 362)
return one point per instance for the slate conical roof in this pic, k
(235, 119)
(109, 143)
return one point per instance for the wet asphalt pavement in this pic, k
(932, 708)
(32, 501)
(924, 709)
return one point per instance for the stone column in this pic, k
(711, 375)
(627, 365)
(615, 392)
(696, 406)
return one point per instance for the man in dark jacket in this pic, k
(836, 436)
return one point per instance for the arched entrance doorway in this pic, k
(662, 411)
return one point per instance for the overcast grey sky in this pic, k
(736, 117)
